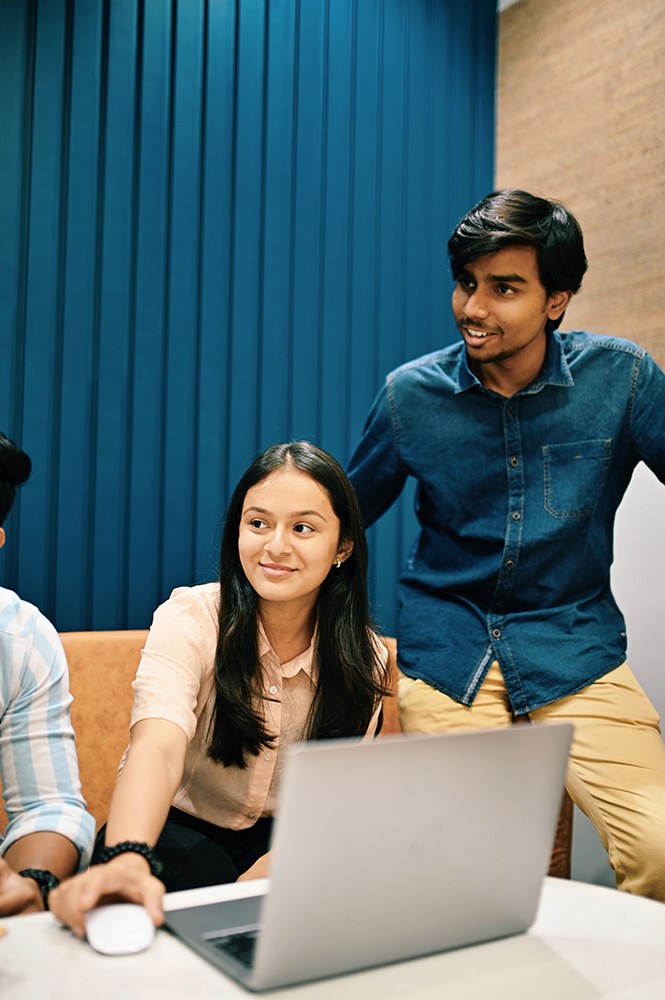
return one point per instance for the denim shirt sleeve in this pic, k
(376, 470)
(647, 417)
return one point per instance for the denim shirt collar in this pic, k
(555, 370)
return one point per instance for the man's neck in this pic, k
(507, 377)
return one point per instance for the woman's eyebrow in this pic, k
(294, 513)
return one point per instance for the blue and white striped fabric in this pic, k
(38, 766)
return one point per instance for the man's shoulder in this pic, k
(19, 618)
(442, 363)
(576, 342)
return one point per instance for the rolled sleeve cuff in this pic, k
(72, 822)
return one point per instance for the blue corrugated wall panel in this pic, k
(221, 223)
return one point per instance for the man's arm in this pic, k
(43, 852)
(49, 828)
(648, 416)
(376, 469)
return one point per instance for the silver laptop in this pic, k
(392, 849)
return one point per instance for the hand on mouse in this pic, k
(126, 878)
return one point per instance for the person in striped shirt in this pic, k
(49, 833)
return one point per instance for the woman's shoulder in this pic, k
(201, 598)
(185, 627)
(193, 604)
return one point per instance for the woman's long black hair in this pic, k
(350, 678)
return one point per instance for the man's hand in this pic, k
(126, 879)
(18, 894)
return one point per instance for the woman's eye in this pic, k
(303, 529)
(256, 522)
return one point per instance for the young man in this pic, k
(49, 833)
(522, 441)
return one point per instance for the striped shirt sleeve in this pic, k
(38, 765)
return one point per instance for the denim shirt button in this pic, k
(510, 563)
(514, 462)
(496, 632)
(516, 515)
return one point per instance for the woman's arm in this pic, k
(147, 783)
(140, 804)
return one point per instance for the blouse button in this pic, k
(268, 756)
(272, 689)
(251, 815)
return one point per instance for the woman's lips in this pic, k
(276, 569)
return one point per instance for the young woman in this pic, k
(279, 650)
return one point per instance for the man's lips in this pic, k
(476, 333)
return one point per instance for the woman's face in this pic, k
(288, 538)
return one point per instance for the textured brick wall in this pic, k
(581, 118)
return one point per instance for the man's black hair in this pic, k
(516, 218)
(15, 467)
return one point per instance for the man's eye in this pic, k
(505, 289)
(466, 283)
(303, 529)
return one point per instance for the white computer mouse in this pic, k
(119, 928)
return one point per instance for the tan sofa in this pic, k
(102, 666)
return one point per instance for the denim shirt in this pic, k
(516, 501)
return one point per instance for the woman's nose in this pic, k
(278, 542)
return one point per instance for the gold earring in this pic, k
(338, 562)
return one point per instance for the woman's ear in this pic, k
(2, 537)
(345, 549)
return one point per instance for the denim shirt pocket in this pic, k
(574, 476)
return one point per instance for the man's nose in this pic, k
(476, 306)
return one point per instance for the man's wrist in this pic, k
(44, 879)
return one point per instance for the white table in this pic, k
(587, 942)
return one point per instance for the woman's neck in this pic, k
(289, 630)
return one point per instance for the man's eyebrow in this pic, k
(510, 279)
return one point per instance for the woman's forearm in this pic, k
(148, 782)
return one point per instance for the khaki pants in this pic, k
(616, 773)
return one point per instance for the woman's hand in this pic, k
(260, 869)
(126, 879)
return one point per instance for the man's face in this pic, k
(501, 307)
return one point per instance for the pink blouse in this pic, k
(175, 681)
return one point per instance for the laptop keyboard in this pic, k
(241, 946)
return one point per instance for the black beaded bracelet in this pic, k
(130, 847)
(46, 881)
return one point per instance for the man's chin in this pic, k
(486, 356)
